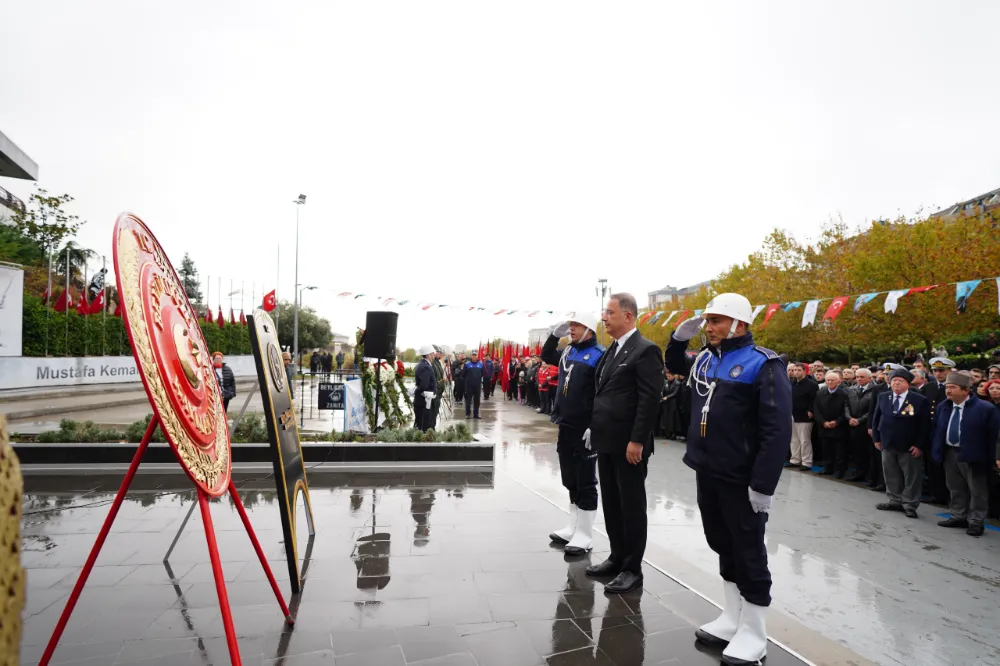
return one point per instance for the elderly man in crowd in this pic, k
(830, 411)
(866, 458)
(967, 432)
(901, 431)
(803, 396)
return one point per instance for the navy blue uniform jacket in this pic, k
(424, 374)
(473, 374)
(911, 427)
(749, 427)
(978, 434)
(577, 380)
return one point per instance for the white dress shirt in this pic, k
(957, 410)
(622, 340)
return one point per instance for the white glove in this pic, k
(428, 397)
(759, 502)
(586, 439)
(689, 328)
(560, 330)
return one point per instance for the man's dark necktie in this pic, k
(610, 356)
(956, 420)
(897, 405)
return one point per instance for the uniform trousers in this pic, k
(623, 487)
(904, 477)
(421, 412)
(578, 468)
(969, 485)
(736, 534)
(861, 446)
(472, 397)
(802, 448)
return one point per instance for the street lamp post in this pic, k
(603, 291)
(295, 326)
(302, 377)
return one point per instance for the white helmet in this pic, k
(585, 317)
(734, 306)
(426, 350)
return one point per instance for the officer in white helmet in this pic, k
(741, 429)
(423, 397)
(572, 407)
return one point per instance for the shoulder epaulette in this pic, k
(766, 352)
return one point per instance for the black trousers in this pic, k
(543, 401)
(578, 468)
(736, 534)
(459, 391)
(835, 451)
(623, 486)
(876, 477)
(225, 404)
(472, 401)
(937, 485)
(487, 389)
(860, 454)
(421, 412)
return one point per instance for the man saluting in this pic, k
(741, 429)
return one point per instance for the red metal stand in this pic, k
(213, 552)
(220, 580)
(260, 552)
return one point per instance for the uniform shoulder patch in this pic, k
(770, 355)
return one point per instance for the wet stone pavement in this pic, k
(446, 569)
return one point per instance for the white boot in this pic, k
(749, 645)
(566, 533)
(583, 538)
(722, 629)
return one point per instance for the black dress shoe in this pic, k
(976, 529)
(839, 475)
(953, 522)
(624, 582)
(910, 513)
(605, 568)
(880, 488)
(889, 506)
(857, 477)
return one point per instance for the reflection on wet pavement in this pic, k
(436, 568)
(456, 568)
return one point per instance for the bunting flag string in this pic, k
(809, 314)
(892, 300)
(835, 308)
(756, 311)
(962, 292)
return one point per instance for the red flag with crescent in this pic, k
(835, 308)
(771, 309)
(918, 290)
(270, 301)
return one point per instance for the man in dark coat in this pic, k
(804, 390)
(226, 379)
(456, 376)
(967, 431)
(859, 399)
(902, 432)
(472, 378)
(442, 383)
(489, 378)
(934, 391)
(626, 406)
(423, 397)
(830, 410)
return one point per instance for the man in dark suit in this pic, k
(902, 432)
(934, 390)
(830, 410)
(626, 407)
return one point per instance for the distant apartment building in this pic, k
(973, 206)
(671, 295)
(538, 335)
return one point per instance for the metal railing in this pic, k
(11, 202)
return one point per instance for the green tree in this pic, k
(408, 355)
(76, 257)
(46, 223)
(314, 331)
(189, 278)
(18, 248)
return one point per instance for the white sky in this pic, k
(502, 154)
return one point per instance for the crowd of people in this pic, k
(905, 431)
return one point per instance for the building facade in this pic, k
(668, 295)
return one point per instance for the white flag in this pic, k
(756, 311)
(892, 300)
(669, 318)
(809, 314)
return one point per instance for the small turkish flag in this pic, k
(243, 319)
(83, 307)
(835, 308)
(220, 320)
(98, 304)
(771, 309)
(270, 302)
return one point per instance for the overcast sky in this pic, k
(502, 154)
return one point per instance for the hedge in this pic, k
(70, 334)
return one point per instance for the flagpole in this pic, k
(66, 348)
(104, 306)
(277, 307)
(48, 298)
(208, 294)
(86, 316)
